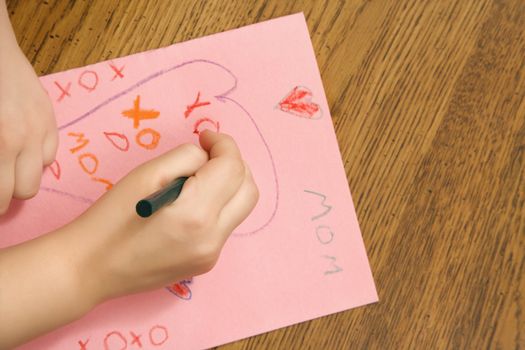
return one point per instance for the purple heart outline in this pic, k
(184, 284)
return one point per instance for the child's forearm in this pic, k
(109, 251)
(7, 37)
(41, 287)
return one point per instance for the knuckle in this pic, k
(28, 187)
(229, 143)
(4, 205)
(228, 139)
(47, 107)
(48, 157)
(196, 221)
(235, 167)
(11, 138)
(252, 188)
(26, 192)
(194, 150)
(206, 256)
(41, 106)
(50, 148)
(47, 160)
(254, 192)
(52, 138)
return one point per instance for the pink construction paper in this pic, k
(299, 256)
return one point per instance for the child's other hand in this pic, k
(28, 134)
(128, 254)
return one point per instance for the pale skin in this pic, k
(28, 133)
(109, 251)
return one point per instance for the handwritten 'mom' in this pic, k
(324, 233)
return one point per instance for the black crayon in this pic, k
(167, 195)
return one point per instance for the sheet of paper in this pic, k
(300, 254)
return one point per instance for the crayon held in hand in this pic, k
(167, 195)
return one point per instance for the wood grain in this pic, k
(428, 102)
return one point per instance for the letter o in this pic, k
(155, 137)
(324, 234)
(94, 167)
(158, 342)
(94, 83)
(119, 335)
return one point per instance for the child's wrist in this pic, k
(85, 283)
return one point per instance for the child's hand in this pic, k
(110, 251)
(128, 254)
(28, 134)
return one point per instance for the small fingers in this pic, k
(28, 173)
(49, 147)
(7, 182)
(218, 145)
(240, 206)
(220, 178)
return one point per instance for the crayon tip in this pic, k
(144, 208)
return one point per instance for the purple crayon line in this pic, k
(221, 97)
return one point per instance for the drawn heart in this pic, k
(299, 102)
(181, 289)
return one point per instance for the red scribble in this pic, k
(84, 85)
(106, 340)
(83, 345)
(109, 184)
(155, 137)
(181, 290)
(64, 91)
(84, 167)
(55, 169)
(80, 139)
(136, 339)
(205, 120)
(195, 104)
(299, 102)
(138, 114)
(118, 71)
(120, 141)
(161, 341)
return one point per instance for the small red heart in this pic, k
(181, 289)
(299, 102)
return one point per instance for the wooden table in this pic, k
(428, 102)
